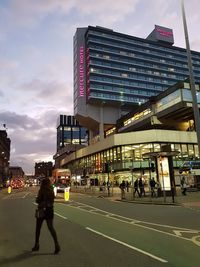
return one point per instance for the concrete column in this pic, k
(101, 125)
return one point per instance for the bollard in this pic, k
(9, 189)
(55, 191)
(66, 194)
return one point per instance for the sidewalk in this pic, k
(191, 199)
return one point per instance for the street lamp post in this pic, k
(191, 76)
(108, 183)
(132, 178)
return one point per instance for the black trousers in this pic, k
(184, 191)
(136, 190)
(39, 222)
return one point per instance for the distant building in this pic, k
(43, 169)
(16, 172)
(71, 136)
(4, 156)
(69, 131)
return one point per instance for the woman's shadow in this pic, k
(27, 254)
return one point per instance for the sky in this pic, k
(36, 60)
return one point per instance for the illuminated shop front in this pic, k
(126, 160)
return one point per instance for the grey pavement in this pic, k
(191, 199)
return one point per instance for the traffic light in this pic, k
(152, 167)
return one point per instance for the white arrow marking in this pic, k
(194, 239)
(178, 232)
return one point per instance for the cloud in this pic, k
(47, 85)
(106, 11)
(46, 95)
(29, 13)
(1, 94)
(7, 66)
(31, 138)
(195, 44)
(16, 121)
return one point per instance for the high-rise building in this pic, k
(113, 72)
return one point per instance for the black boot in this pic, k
(57, 249)
(36, 247)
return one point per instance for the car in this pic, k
(17, 183)
(60, 187)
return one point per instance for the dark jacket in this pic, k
(45, 200)
(122, 185)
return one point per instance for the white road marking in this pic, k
(94, 210)
(131, 219)
(133, 222)
(127, 245)
(109, 214)
(15, 195)
(178, 232)
(26, 194)
(194, 239)
(138, 223)
(63, 217)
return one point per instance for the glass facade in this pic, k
(126, 69)
(125, 159)
(70, 132)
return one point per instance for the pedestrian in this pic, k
(108, 184)
(108, 187)
(45, 200)
(183, 186)
(136, 185)
(141, 186)
(122, 186)
(152, 186)
(158, 189)
(127, 186)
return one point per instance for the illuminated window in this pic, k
(137, 115)
(106, 56)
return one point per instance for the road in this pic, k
(96, 231)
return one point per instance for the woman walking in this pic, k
(45, 200)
